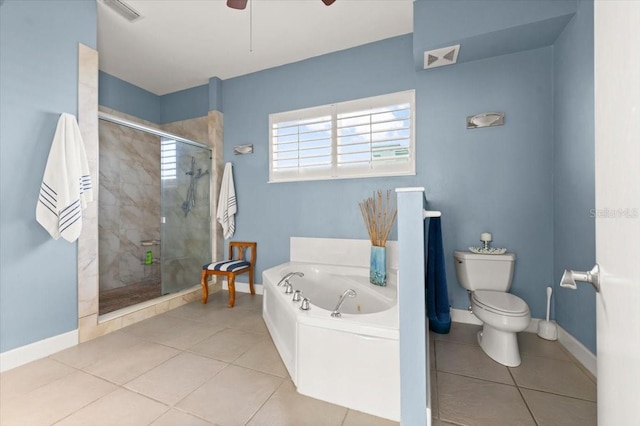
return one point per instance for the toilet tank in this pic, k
(484, 271)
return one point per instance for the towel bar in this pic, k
(431, 213)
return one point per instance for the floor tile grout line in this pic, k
(264, 403)
(477, 378)
(76, 369)
(526, 404)
(182, 410)
(344, 419)
(194, 390)
(437, 396)
(584, 369)
(435, 360)
(85, 406)
(133, 378)
(573, 362)
(124, 386)
(557, 394)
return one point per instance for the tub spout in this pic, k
(285, 279)
(347, 293)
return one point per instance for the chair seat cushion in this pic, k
(227, 265)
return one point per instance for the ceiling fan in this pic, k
(242, 4)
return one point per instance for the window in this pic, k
(167, 159)
(361, 138)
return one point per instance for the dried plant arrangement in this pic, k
(379, 215)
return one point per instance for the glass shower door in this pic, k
(186, 214)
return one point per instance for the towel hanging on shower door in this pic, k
(66, 185)
(227, 207)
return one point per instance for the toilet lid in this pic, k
(500, 302)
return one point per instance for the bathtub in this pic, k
(352, 361)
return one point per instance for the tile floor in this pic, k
(210, 365)
(468, 388)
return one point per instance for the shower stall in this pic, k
(154, 213)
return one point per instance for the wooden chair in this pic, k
(230, 268)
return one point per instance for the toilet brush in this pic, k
(547, 329)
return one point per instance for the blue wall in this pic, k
(184, 104)
(271, 213)
(496, 180)
(487, 28)
(39, 69)
(574, 173)
(125, 97)
(128, 98)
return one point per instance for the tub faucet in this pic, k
(347, 293)
(285, 279)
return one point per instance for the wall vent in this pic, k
(123, 9)
(440, 57)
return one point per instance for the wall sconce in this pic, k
(243, 149)
(487, 119)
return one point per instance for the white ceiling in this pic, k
(182, 43)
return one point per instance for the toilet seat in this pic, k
(500, 303)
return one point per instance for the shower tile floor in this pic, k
(210, 365)
(128, 295)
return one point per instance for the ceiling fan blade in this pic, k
(328, 2)
(237, 4)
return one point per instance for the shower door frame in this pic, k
(117, 120)
(162, 134)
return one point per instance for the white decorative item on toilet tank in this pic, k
(487, 278)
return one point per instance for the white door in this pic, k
(617, 133)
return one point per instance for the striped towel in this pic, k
(227, 207)
(66, 185)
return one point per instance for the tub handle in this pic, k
(305, 305)
(288, 288)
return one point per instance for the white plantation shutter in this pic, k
(361, 138)
(167, 159)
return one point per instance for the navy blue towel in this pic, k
(438, 309)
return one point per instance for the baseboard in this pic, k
(24, 354)
(243, 287)
(578, 350)
(570, 343)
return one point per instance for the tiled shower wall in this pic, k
(129, 205)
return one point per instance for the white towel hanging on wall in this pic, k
(227, 206)
(66, 185)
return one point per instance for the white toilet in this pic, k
(488, 278)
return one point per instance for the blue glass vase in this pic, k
(378, 269)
